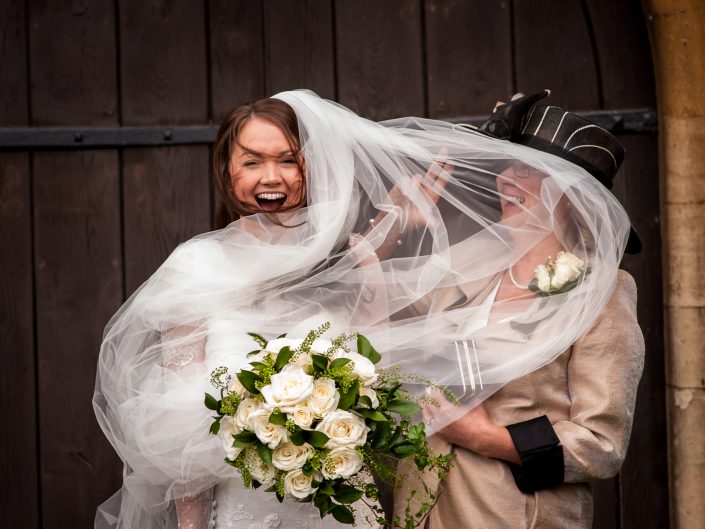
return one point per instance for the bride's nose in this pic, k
(271, 174)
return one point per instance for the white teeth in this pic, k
(515, 199)
(271, 196)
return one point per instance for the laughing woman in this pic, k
(327, 216)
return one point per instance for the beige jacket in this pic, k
(588, 394)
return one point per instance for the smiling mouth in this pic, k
(514, 199)
(270, 201)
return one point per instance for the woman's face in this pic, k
(264, 171)
(519, 187)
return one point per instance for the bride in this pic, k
(327, 216)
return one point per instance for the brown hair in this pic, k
(276, 112)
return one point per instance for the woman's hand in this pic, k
(431, 184)
(474, 431)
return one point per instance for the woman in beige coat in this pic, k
(524, 458)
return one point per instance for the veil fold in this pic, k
(425, 306)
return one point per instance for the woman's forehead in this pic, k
(261, 136)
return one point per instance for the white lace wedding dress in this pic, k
(238, 508)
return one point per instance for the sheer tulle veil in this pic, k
(424, 307)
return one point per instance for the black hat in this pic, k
(561, 133)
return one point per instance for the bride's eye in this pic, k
(288, 161)
(249, 163)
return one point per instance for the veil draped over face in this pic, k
(420, 283)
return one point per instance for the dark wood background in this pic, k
(81, 229)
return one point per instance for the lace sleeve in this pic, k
(196, 512)
(183, 351)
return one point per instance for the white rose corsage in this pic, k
(559, 276)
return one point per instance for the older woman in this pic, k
(524, 457)
(330, 217)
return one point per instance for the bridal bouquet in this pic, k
(315, 420)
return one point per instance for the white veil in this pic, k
(416, 305)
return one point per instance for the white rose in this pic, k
(228, 429)
(287, 388)
(363, 368)
(543, 278)
(324, 397)
(344, 429)
(302, 416)
(320, 346)
(372, 394)
(298, 484)
(568, 268)
(270, 434)
(245, 410)
(274, 346)
(288, 456)
(259, 470)
(302, 360)
(341, 463)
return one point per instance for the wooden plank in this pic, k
(18, 404)
(163, 62)
(644, 477)
(299, 46)
(379, 57)
(79, 286)
(236, 54)
(73, 63)
(166, 189)
(166, 202)
(469, 56)
(77, 253)
(553, 50)
(13, 57)
(623, 53)
(18, 459)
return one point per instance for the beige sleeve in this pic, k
(603, 375)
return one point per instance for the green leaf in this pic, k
(339, 362)
(364, 347)
(277, 417)
(382, 434)
(323, 503)
(396, 437)
(348, 398)
(320, 363)
(298, 437)
(261, 341)
(348, 494)
(317, 439)
(342, 514)
(258, 365)
(265, 453)
(405, 449)
(248, 379)
(403, 407)
(326, 488)
(281, 336)
(364, 400)
(211, 402)
(244, 439)
(285, 354)
(374, 415)
(215, 426)
(307, 470)
(252, 353)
